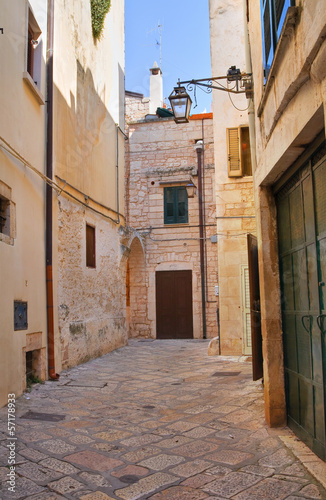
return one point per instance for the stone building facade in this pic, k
(79, 294)
(165, 253)
(22, 220)
(288, 54)
(89, 167)
(234, 183)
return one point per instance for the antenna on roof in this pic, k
(159, 27)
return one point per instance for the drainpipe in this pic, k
(199, 149)
(118, 206)
(49, 207)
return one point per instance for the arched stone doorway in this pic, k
(137, 292)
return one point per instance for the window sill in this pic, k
(176, 224)
(6, 239)
(290, 21)
(33, 87)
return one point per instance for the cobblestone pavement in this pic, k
(156, 420)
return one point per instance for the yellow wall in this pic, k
(22, 264)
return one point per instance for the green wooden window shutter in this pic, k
(175, 205)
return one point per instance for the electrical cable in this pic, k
(59, 189)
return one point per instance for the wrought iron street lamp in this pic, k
(236, 83)
(181, 104)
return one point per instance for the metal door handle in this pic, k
(320, 322)
(303, 324)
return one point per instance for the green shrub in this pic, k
(99, 9)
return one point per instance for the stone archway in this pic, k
(137, 291)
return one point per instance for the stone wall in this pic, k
(234, 195)
(91, 301)
(161, 152)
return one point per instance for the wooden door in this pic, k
(256, 338)
(302, 236)
(174, 305)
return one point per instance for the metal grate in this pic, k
(226, 374)
(47, 417)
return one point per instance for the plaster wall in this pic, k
(161, 151)
(89, 165)
(22, 257)
(234, 195)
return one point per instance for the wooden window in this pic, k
(4, 216)
(175, 205)
(90, 246)
(33, 55)
(273, 14)
(239, 157)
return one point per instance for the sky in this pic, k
(185, 45)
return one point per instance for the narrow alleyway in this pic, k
(154, 420)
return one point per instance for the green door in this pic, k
(301, 207)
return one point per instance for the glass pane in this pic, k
(169, 209)
(182, 202)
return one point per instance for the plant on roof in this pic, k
(99, 9)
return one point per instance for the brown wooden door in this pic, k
(174, 305)
(256, 338)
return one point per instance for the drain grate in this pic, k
(129, 479)
(48, 417)
(226, 374)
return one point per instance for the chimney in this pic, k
(155, 89)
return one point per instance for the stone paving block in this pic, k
(181, 426)
(141, 440)
(198, 480)
(180, 493)
(59, 465)
(174, 441)
(229, 457)
(77, 424)
(161, 462)
(66, 485)
(231, 484)
(141, 453)
(191, 468)
(94, 479)
(80, 439)
(96, 495)
(37, 473)
(57, 446)
(219, 471)
(294, 470)
(46, 495)
(130, 470)
(278, 459)
(269, 488)
(202, 418)
(256, 469)
(199, 432)
(32, 454)
(94, 460)
(145, 486)
(112, 435)
(23, 488)
(59, 432)
(196, 449)
(311, 491)
(32, 436)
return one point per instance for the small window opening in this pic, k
(90, 246)
(4, 216)
(33, 52)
